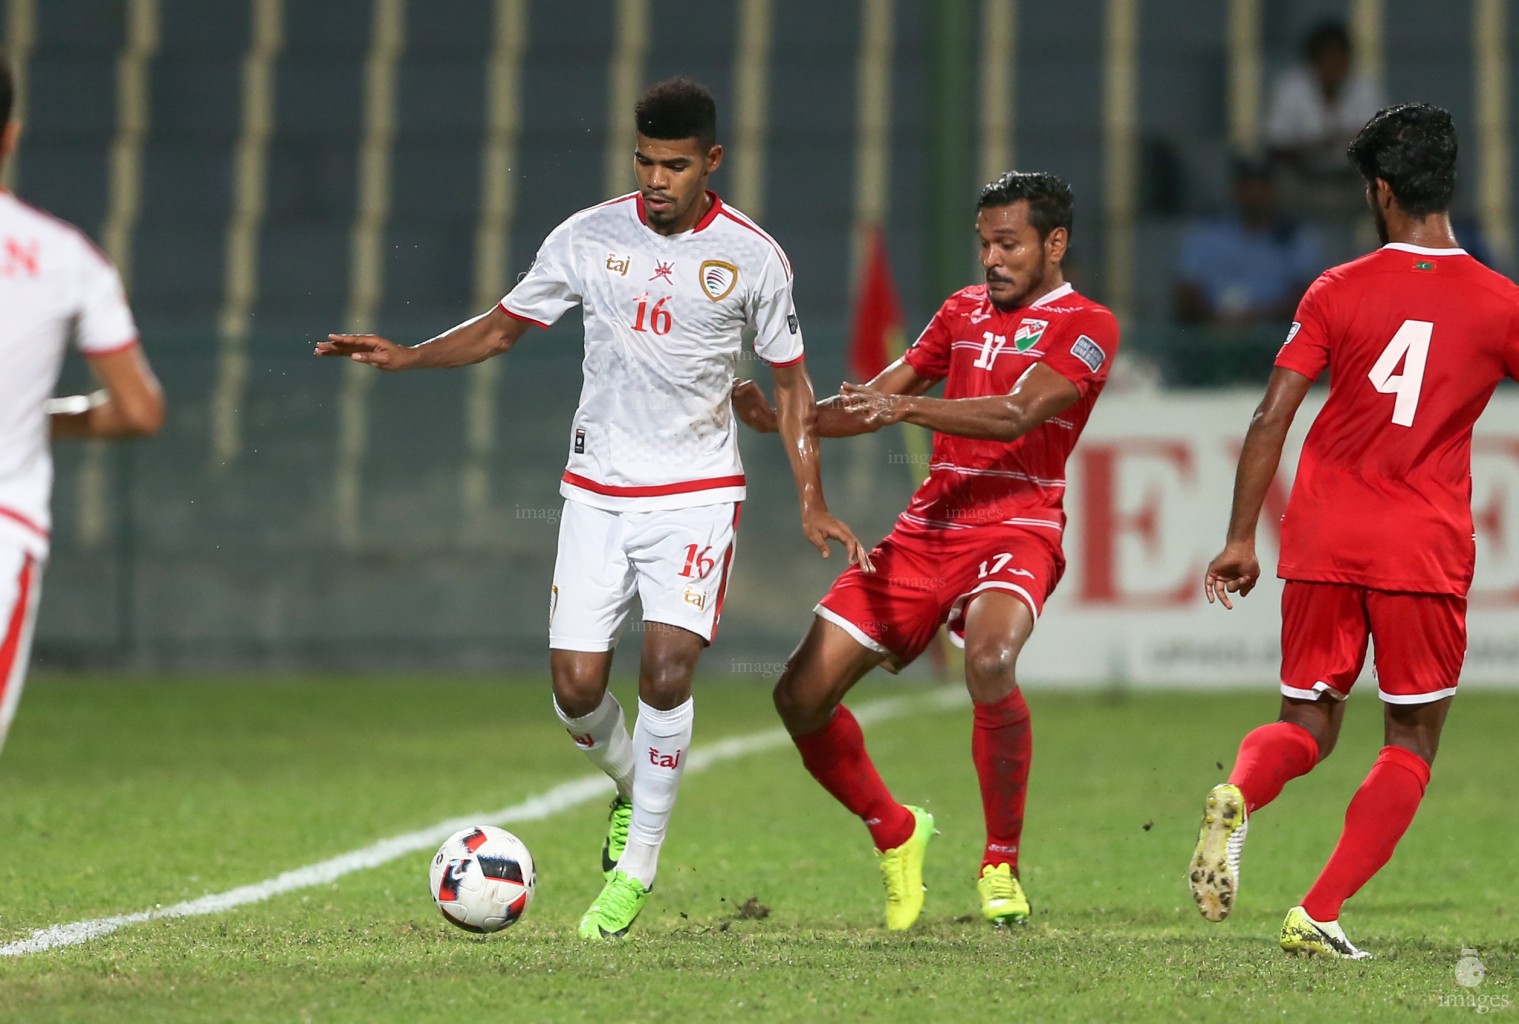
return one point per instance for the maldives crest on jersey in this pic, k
(718, 277)
(1028, 334)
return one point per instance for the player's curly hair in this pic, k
(677, 108)
(7, 88)
(1049, 198)
(1412, 147)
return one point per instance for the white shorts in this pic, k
(675, 560)
(20, 590)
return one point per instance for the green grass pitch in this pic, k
(117, 795)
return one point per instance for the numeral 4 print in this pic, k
(657, 319)
(698, 562)
(1410, 347)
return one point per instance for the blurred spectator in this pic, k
(1251, 265)
(1317, 107)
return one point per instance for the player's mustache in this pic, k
(998, 278)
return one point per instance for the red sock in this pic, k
(1269, 758)
(835, 755)
(1378, 815)
(1002, 745)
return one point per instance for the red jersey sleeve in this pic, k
(929, 355)
(1083, 351)
(1306, 349)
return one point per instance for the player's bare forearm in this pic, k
(1262, 451)
(473, 341)
(97, 416)
(130, 405)
(837, 419)
(1039, 394)
(796, 417)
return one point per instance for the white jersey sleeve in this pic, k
(551, 287)
(104, 320)
(772, 315)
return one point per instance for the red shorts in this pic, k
(1420, 641)
(924, 578)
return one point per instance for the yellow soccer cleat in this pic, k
(1302, 934)
(902, 871)
(1002, 899)
(1214, 872)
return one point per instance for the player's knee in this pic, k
(991, 669)
(578, 693)
(664, 679)
(800, 712)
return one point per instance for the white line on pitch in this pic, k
(544, 805)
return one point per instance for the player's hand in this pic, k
(1235, 571)
(751, 405)
(821, 527)
(381, 353)
(875, 409)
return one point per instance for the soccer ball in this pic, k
(482, 878)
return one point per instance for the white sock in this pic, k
(604, 737)
(661, 740)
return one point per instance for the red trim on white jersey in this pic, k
(652, 490)
(722, 587)
(706, 218)
(14, 630)
(518, 316)
(23, 520)
(112, 350)
(791, 362)
(743, 221)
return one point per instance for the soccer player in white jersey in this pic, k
(667, 278)
(54, 285)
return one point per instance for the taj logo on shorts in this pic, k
(695, 597)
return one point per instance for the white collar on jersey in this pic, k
(1420, 250)
(1052, 295)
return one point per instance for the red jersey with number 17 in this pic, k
(1416, 340)
(984, 351)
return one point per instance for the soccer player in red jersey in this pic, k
(1377, 539)
(1023, 358)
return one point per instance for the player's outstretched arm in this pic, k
(1039, 394)
(129, 404)
(1236, 570)
(473, 341)
(797, 415)
(833, 420)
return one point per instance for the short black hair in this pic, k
(1049, 198)
(1326, 35)
(678, 108)
(7, 89)
(1412, 147)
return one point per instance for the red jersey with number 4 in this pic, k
(1416, 340)
(983, 351)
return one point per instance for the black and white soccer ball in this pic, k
(482, 878)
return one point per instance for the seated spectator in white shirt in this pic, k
(1318, 107)
(1252, 264)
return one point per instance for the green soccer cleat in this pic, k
(902, 871)
(615, 909)
(618, 819)
(1002, 899)
(1214, 872)
(1302, 934)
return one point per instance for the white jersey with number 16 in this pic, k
(664, 321)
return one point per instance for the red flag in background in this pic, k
(878, 321)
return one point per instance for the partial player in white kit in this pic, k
(668, 278)
(54, 285)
